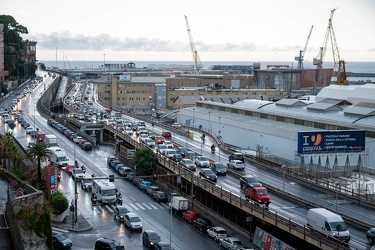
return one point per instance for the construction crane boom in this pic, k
(302, 52)
(197, 61)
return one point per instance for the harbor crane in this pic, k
(302, 52)
(339, 64)
(197, 61)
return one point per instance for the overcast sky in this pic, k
(237, 30)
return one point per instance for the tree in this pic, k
(59, 203)
(41, 152)
(145, 160)
(6, 142)
(14, 155)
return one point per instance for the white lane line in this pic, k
(140, 206)
(134, 206)
(153, 206)
(147, 206)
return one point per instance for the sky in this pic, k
(237, 30)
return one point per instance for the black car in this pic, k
(218, 168)
(237, 156)
(87, 146)
(60, 241)
(202, 224)
(150, 238)
(249, 181)
(208, 174)
(110, 158)
(113, 163)
(106, 244)
(177, 157)
(370, 235)
(160, 196)
(119, 212)
(183, 151)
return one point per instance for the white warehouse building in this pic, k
(274, 126)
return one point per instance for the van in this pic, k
(328, 223)
(237, 156)
(40, 136)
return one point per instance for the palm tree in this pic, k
(14, 155)
(41, 152)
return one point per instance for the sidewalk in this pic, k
(82, 224)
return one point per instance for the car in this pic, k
(236, 165)
(237, 156)
(166, 134)
(202, 224)
(60, 241)
(149, 142)
(217, 233)
(69, 168)
(151, 189)
(163, 246)
(188, 164)
(143, 137)
(86, 184)
(169, 144)
(77, 139)
(218, 168)
(86, 145)
(78, 173)
(176, 125)
(150, 238)
(177, 158)
(159, 139)
(128, 131)
(160, 196)
(113, 163)
(119, 213)
(125, 171)
(110, 158)
(208, 174)
(170, 153)
(182, 151)
(370, 235)
(152, 135)
(230, 243)
(118, 166)
(249, 181)
(144, 185)
(106, 244)
(132, 221)
(191, 215)
(191, 155)
(202, 161)
(161, 148)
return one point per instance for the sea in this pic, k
(354, 67)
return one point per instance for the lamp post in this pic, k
(219, 136)
(283, 167)
(193, 118)
(209, 121)
(170, 234)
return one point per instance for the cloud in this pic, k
(68, 41)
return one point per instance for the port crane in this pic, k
(302, 52)
(197, 61)
(339, 64)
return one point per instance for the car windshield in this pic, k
(161, 194)
(60, 237)
(108, 192)
(189, 162)
(219, 166)
(221, 231)
(338, 226)
(261, 192)
(153, 236)
(78, 171)
(123, 210)
(251, 180)
(134, 219)
(203, 159)
(208, 171)
(237, 242)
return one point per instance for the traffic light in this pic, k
(111, 178)
(193, 196)
(155, 177)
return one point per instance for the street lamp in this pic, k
(284, 167)
(170, 234)
(34, 116)
(219, 136)
(209, 121)
(193, 117)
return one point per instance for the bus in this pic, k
(104, 190)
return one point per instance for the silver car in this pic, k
(230, 243)
(188, 164)
(132, 221)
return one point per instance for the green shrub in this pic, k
(59, 203)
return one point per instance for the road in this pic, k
(95, 162)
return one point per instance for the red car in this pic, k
(167, 134)
(159, 139)
(69, 168)
(191, 216)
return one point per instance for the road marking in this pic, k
(59, 230)
(163, 205)
(153, 206)
(134, 206)
(132, 198)
(147, 206)
(109, 208)
(139, 205)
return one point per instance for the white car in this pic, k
(202, 162)
(236, 164)
(169, 144)
(132, 221)
(128, 131)
(176, 125)
(217, 233)
(77, 139)
(149, 142)
(170, 152)
(143, 137)
(161, 148)
(78, 173)
(29, 130)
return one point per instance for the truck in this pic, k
(40, 136)
(327, 223)
(51, 141)
(104, 190)
(258, 195)
(179, 204)
(59, 157)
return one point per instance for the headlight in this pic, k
(334, 234)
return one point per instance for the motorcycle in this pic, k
(58, 177)
(213, 150)
(119, 200)
(83, 169)
(94, 199)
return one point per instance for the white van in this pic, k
(59, 157)
(328, 223)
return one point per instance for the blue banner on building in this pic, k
(338, 141)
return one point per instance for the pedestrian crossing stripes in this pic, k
(59, 230)
(131, 206)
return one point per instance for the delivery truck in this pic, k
(51, 141)
(327, 223)
(179, 204)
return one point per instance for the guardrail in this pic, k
(271, 217)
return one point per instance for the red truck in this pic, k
(258, 194)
